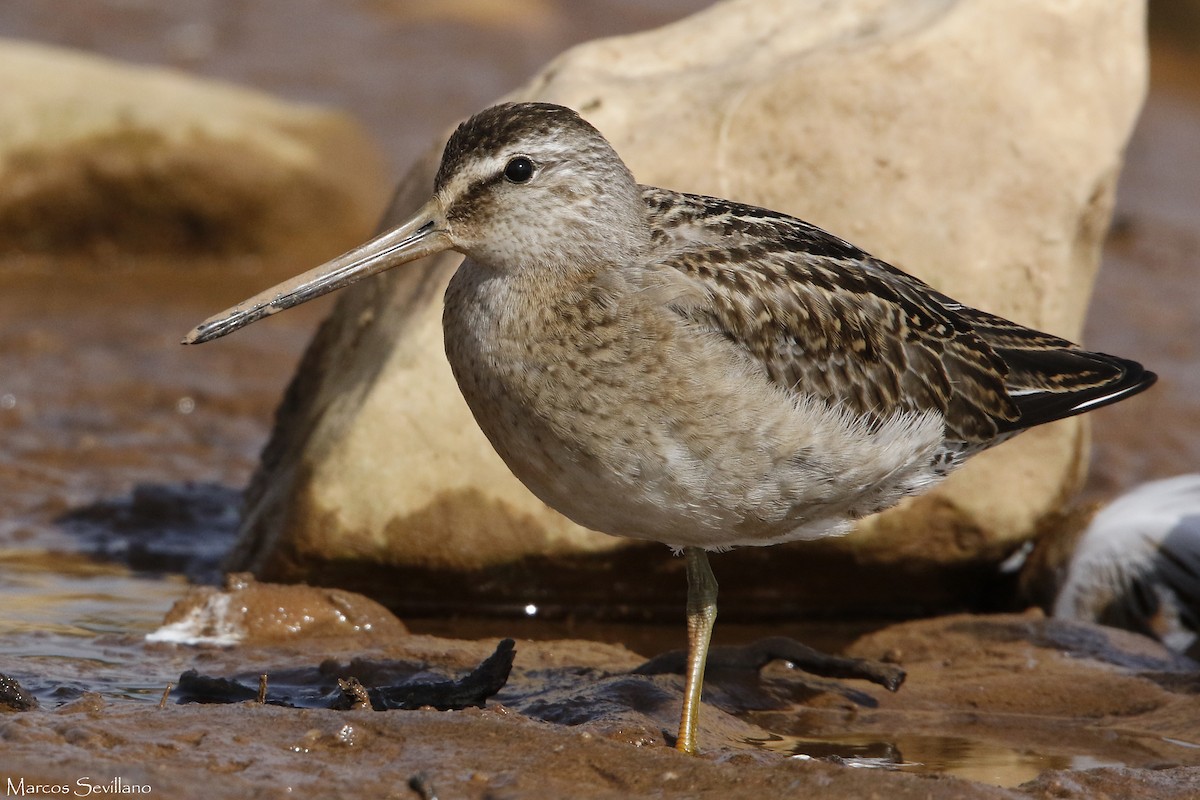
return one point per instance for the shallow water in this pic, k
(980, 760)
(72, 625)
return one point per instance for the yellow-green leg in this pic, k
(701, 614)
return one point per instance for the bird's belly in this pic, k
(619, 470)
(644, 431)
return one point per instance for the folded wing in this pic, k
(822, 317)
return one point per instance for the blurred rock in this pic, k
(1137, 566)
(974, 142)
(101, 157)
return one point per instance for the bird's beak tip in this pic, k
(423, 234)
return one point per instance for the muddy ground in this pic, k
(1046, 708)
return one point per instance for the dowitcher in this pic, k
(695, 371)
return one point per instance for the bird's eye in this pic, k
(519, 169)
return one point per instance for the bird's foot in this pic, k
(758, 654)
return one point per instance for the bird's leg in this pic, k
(701, 614)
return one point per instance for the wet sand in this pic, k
(1005, 706)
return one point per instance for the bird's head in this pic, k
(520, 186)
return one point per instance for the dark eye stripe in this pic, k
(478, 188)
(471, 195)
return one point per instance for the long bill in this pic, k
(423, 234)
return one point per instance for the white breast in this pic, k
(631, 423)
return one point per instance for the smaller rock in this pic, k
(246, 611)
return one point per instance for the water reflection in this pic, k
(70, 623)
(973, 759)
(74, 595)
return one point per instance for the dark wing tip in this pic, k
(1134, 379)
(1124, 379)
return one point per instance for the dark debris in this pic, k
(757, 655)
(472, 690)
(13, 697)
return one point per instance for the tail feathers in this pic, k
(1055, 383)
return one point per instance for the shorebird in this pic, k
(695, 371)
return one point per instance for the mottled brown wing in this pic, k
(825, 318)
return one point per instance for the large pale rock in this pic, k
(106, 156)
(974, 143)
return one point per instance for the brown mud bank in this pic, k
(118, 444)
(994, 707)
